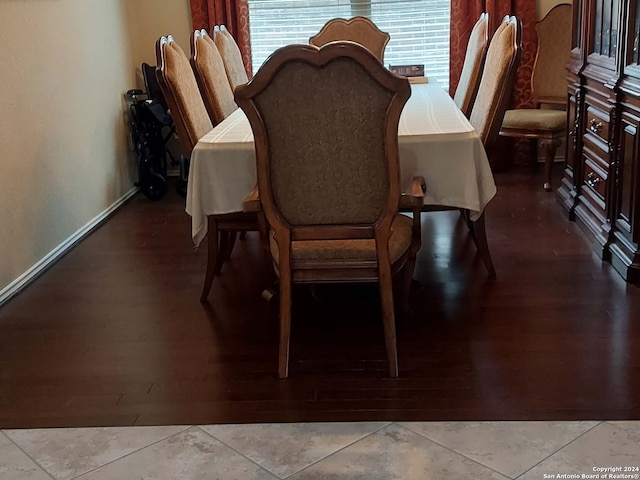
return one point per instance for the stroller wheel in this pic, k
(154, 187)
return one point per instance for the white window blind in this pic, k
(419, 29)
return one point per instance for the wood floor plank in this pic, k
(114, 333)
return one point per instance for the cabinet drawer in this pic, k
(598, 123)
(596, 150)
(595, 178)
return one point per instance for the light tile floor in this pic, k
(309, 451)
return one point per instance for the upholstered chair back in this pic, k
(212, 78)
(180, 88)
(549, 78)
(231, 56)
(498, 77)
(325, 123)
(357, 29)
(473, 64)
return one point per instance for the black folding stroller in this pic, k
(151, 129)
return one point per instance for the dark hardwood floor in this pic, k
(114, 333)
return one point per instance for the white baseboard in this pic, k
(49, 259)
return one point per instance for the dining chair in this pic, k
(180, 88)
(357, 29)
(549, 87)
(211, 77)
(497, 81)
(494, 91)
(473, 64)
(332, 222)
(231, 56)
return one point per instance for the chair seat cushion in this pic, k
(302, 250)
(535, 119)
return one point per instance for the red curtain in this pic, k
(234, 14)
(465, 13)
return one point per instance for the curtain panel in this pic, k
(465, 13)
(234, 14)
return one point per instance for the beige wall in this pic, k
(151, 19)
(63, 143)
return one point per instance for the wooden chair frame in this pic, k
(477, 228)
(380, 270)
(222, 229)
(354, 26)
(550, 139)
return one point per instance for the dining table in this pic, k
(435, 141)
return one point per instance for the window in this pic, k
(419, 29)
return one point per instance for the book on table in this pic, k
(415, 73)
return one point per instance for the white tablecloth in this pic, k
(435, 141)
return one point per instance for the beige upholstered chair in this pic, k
(332, 221)
(497, 81)
(180, 88)
(231, 56)
(549, 86)
(211, 76)
(473, 64)
(357, 29)
(494, 92)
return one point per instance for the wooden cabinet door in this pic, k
(602, 46)
(571, 180)
(625, 250)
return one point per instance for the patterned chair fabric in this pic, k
(301, 251)
(212, 78)
(325, 123)
(357, 29)
(181, 90)
(535, 119)
(231, 56)
(549, 77)
(473, 64)
(313, 118)
(497, 80)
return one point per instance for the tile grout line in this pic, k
(303, 468)
(186, 427)
(27, 455)
(632, 432)
(341, 449)
(561, 448)
(456, 452)
(199, 427)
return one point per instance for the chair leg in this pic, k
(212, 257)
(480, 233)
(231, 244)
(550, 147)
(407, 279)
(388, 317)
(464, 213)
(285, 325)
(263, 231)
(243, 234)
(223, 248)
(533, 152)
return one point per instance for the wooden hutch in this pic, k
(600, 188)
